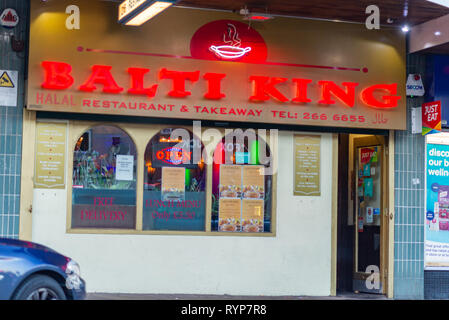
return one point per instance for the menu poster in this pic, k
(173, 184)
(229, 215)
(253, 182)
(307, 151)
(230, 181)
(50, 155)
(124, 168)
(252, 215)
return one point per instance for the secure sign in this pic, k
(414, 85)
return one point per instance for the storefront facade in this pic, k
(206, 159)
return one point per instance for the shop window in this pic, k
(174, 183)
(241, 186)
(104, 179)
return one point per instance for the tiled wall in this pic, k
(409, 202)
(11, 124)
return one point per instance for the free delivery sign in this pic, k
(437, 207)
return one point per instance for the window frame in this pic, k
(141, 135)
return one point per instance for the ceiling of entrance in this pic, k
(412, 12)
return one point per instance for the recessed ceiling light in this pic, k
(437, 33)
(405, 28)
(444, 3)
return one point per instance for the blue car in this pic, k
(30, 271)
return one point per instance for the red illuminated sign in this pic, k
(228, 40)
(173, 155)
(58, 77)
(232, 45)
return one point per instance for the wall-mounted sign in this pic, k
(8, 88)
(414, 85)
(205, 70)
(431, 117)
(50, 155)
(9, 18)
(307, 153)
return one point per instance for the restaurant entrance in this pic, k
(363, 214)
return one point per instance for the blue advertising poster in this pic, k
(437, 206)
(368, 187)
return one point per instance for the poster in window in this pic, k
(124, 169)
(369, 214)
(230, 181)
(253, 182)
(173, 183)
(229, 214)
(103, 208)
(252, 215)
(368, 182)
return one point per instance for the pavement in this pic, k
(126, 296)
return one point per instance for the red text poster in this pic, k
(431, 117)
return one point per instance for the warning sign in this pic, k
(8, 88)
(5, 81)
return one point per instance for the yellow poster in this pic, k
(50, 155)
(307, 153)
(253, 182)
(230, 181)
(229, 213)
(173, 183)
(252, 215)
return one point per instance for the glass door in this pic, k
(369, 252)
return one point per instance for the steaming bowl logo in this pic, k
(232, 49)
(229, 52)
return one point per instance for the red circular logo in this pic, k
(228, 40)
